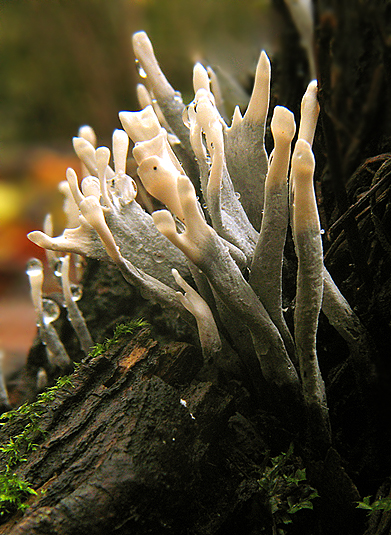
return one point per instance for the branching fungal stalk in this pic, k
(308, 245)
(266, 267)
(75, 316)
(207, 328)
(245, 145)
(223, 228)
(202, 245)
(47, 311)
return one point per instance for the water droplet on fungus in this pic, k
(51, 310)
(34, 267)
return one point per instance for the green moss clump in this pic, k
(13, 489)
(123, 329)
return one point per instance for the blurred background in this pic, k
(65, 63)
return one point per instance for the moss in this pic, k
(13, 489)
(121, 330)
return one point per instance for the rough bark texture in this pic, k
(121, 454)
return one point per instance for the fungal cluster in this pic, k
(220, 237)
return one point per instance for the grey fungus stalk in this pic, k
(223, 229)
(203, 247)
(266, 267)
(207, 328)
(56, 353)
(74, 314)
(309, 293)
(348, 325)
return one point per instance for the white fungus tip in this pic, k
(102, 156)
(90, 186)
(74, 185)
(140, 125)
(141, 39)
(81, 144)
(303, 157)
(237, 117)
(164, 222)
(120, 150)
(86, 152)
(143, 96)
(264, 62)
(283, 124)
(48, 225)
(87, 133)
(309, 113)
(259, 102)
(200, 78)
(39, 238)
(178, 279)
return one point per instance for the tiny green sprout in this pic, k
(285, 489)
(13, 492)
(66, 380)
(12, 450)
(382, 504)
(122, 329)
(13, 489)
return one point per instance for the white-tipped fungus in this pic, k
(51, 256)
(200, 78)
(309, 293)
(124, 186)
(245, 152)
(87, 133)
(56, 353)
(207, 328)
(160, 180)
(228, 210)
(102, 157)
(266, 268)
(258, 106)
(70, 208)
(140, 125)
(309, 113)
(193, 241)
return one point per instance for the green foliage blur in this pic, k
(64, 63)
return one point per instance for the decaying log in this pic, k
(131, 447)
(138, 443)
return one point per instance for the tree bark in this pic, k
(138, 443)
(124, 453)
